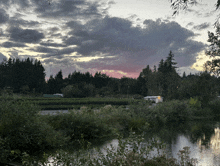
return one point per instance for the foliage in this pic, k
(194, 102)
(163, 82)
(131, 151)
(214, 105)
(26, 135)
(72, 91)
(19, 75)
(55, 84)
(78, 123)
(212, 66)
(22, 131)
(156, 116)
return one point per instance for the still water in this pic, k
(203, 138)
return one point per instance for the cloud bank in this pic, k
(80, 35)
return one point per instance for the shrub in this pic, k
(78, 123)
(215, 106)
(169, 112)
(194, 102)
(23, 131)
(131, 151)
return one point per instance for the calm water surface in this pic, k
(203, 138)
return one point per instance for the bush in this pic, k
(169, 112)
(72, 91)
(78, 123)
(23, 131)
(195, 103)
(215, 106)
(131, 151)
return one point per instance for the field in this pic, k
(76, 103)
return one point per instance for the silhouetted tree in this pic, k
(20, 75)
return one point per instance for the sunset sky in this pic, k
(118, 37)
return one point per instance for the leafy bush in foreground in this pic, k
(133, 151)
(22, 131)
(78, 123)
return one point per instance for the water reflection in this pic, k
(203, 138)
(206, 153)
(215, 141)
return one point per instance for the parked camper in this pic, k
(58, 95)
(156, 99)
(53, 95)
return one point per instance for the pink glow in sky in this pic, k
(119, 37)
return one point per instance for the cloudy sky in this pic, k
(116, 37)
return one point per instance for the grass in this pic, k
(72, 103)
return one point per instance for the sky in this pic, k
(116, 37)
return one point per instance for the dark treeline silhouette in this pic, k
(22, 76)
(28, 76)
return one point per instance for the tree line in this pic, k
(28, 76)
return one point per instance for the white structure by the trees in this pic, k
(156, 99)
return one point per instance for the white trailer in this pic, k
(156, 99)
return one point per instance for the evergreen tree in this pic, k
(58, 82)
(51, 85)
(143, 80)
(184, 74)
(168, 77)
(170, 64)
(20, 75)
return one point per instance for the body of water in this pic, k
(203, 138)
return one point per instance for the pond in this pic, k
(203, 138)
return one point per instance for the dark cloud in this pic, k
(52, 44)
(66, 8)
(110, 34)
(133, 47)
(18, 22)
(23, 4)
(72, 40)
(57, 53)
(3, 16)
(12, 44)
(25, 35)
(54, 29)
(66, 51)
(44, 50)
(202, 26)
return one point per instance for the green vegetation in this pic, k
(72, 103)
(131, 151)
(27, 135)
(22, 130)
